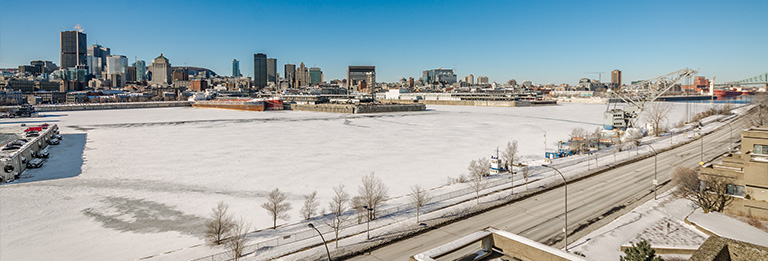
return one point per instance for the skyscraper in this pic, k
(315, 75)
(290, 73)
(302, 76)
(73, 49)
(260, 70)
(100, 52)
(141, 71)
(235, 68)
(117, 69)
(616, 78)
(161, 71)
(272, 70)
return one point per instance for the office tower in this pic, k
(616, 78)
(512, 82)
(360, 77)
(117, 65)
(315, 75)
(94, 65)
(235, 68)
(271, 70)
(260, 70)
(482, 79)
(410, 82)
(161, 71)
(101, 52)
(444, 76)
(131, 74)
(290, 73)
(141, 71)
(302, 76)
(73, 49)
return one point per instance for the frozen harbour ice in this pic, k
(127, 184)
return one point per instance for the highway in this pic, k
(541, 218)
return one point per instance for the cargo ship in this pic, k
(726, 93)
(231, 104)
(273, 104)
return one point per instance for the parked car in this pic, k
(45, 125)
(35, 163)
(57, 136)
(11, 146)
(41, 154)
(53, 142)
(33, 133)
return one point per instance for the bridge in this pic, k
(759, 79)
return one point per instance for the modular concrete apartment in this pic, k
(749, 170)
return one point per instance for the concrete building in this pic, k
(99, 51)
(117, 65)
(73, 49)
(512, 82)
(359, 78)
(45, 66)
(259, 70)
(290, 73)
(444, 76)
(470, 79)
(131, 74)
(271, 70)
(236, 68)
(315, 75)
(302, 76)
(748, 171)
(161, 71)
(615, 79)
(482, 79)
(141, 71)
(198, 85)
(94, 65)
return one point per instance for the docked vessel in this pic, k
(727, 93)
(231, 104)
(273, 104)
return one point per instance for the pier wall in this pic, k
(482, 103)
(110, 106)
(15, 163)
(358, 108)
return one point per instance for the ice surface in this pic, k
(139, 182)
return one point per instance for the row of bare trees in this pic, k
(223, 229)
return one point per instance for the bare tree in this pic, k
(477, 170)
(657, 115)
(276, 206)
(708, 191)
(337, 207)
(219, 226)
(510, 156)
(239, 238)
(310, 205)
(374, 192)
(579, 140)
(419, 197)
(759, 114)
(358, 204)
(525, 176)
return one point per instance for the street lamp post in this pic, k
(565, 229)
(701, 137)
(323, 238)
(730, 141)
(368, 231)
(655, 171)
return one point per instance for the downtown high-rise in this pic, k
(272, 70)
(235, 68)
(73, 49)
(260, 70)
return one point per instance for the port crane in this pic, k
(637, 96)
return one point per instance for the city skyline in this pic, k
(552, 42)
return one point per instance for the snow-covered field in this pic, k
(128, 184)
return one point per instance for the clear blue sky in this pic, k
(542, 41)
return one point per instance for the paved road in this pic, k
(541, 217)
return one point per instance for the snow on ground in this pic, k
(128, 184)
(725, 226)
(605, 242)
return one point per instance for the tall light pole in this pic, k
(323, 238)
(369, 221)
(655, 171)
(565, 229)
(730, 141)
(701, 137)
